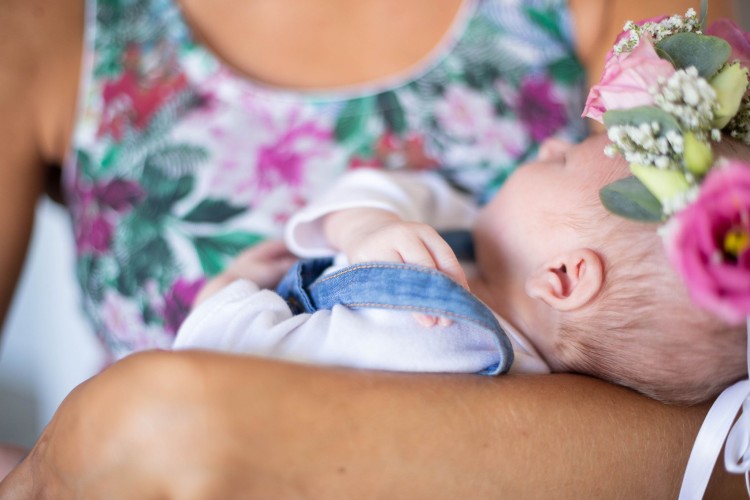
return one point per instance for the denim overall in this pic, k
(402, 287)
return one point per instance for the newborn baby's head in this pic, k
(643, 331)
(594, 292)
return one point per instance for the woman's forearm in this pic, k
(212, 426)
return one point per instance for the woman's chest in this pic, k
(321, 43)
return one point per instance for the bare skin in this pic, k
(293, 431)
(190, 425)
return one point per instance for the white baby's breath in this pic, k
(657, 31)
(689, 98)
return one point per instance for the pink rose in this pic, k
(709, 245)
(738, 40)
(627, 79)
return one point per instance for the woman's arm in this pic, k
(205, 425)
(597, 23)
(40, 47)
(20, 162)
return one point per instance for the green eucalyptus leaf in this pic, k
(630, 199)
(665, 56)
(662, 183)
(697, 154)
(641, 114)
(704, 14)
(707, 53)
(730, 85)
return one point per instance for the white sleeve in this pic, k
(415, 196)
(244, 319)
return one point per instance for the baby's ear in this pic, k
(569, 281)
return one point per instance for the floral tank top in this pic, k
(178, 163)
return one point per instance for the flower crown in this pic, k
(667, 92)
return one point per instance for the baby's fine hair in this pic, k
(642, 330)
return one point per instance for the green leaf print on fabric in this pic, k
(213, 210)
(86, 167)
(547, 19)
(352, 120)
(127, 25)
(164, 190)
(214, 252)
(152, 262)
(393, 113)
(111, 157)
(178, 159)
(141, 252)
(567, 70)
(88, 270)
(477, 62)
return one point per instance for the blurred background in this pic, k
(47, 348)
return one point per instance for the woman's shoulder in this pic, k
(598, 23)
(40, 54)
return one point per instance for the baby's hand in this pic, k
(264, 264)
(369, 234)
(374, 235)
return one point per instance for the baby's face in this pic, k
(527, 221)
(532, 220)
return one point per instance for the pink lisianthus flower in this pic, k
(737, 39)
(627, 80)
(708, 243)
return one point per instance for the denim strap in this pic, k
(386, 285)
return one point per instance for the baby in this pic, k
(572, 287)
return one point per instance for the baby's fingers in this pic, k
(416, 252)
(445, 260)
(428, 321)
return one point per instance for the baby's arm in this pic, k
(242, 318)
(374, 215)
(263, 264)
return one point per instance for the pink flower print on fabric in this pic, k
(282, 161)
(98, 208)
(178, 301)
(540, 109)
(124, 321)
(504, 141)
(94, 235)
(288, 140)
(463, 112)
(738, 40)
(627, 80)
(484, 136)
(130, 101)
(392, 151)
(708, 243)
